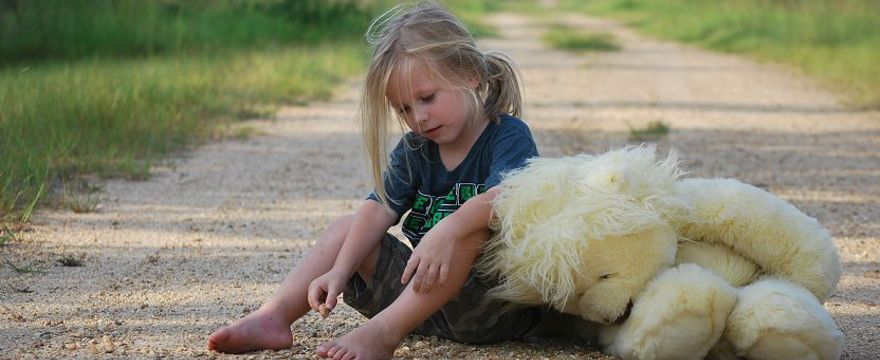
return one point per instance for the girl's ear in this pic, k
(473, 83)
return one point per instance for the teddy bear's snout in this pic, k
(623, 317)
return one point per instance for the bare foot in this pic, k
(261, 330)
(371, 341)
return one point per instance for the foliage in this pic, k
(111, 86)
(35, 30)
(568, 38)
(654, 131)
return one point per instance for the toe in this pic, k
(218, 338)
(334, 351)
(323, 349)
(340, 354)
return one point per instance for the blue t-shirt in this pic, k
(418, 182)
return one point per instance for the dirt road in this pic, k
(207, 239)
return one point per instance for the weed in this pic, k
(7, 236)
(652, 132)
(239, 132)
(568, 38)
(81, 196)
(24, 290)
(29, 210)
(22, 269)
(70, 261)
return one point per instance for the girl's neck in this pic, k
(454, 153)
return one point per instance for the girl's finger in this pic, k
(444, 274)
(420, 276)
(430, 278)
(314, 297)
(410, 267)
(332, 293)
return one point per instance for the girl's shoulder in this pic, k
(509, 124)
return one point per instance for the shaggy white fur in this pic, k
(691, 322)
(554, 213)
(776, 319)
(594, 235)
(763, 228)
(737, 270)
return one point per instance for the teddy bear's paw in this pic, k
(680, 315)
(775, 319)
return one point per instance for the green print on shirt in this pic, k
(428, 210)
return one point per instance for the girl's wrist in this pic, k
(450, 228)
(341, 271)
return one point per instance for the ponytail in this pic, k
(503, 86)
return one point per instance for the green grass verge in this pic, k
(40, 30)
(836, 41)
(115, 117)
(573, 39)
(109, 87)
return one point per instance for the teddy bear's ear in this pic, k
(637, 173)
(783, 241)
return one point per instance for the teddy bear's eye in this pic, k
(606, 276)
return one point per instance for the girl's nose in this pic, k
(421, 114)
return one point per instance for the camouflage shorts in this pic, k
(467, 318)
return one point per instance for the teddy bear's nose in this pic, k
(620, 319)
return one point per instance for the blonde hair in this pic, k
(428, 34)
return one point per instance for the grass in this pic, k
(70, 261)
(654, 131)
(22, 269)
(572, 39)
(7, 235)
(81, 197)
(117, 117)
(109, 87)
(38, 30)
(472, 13)
(836, 41)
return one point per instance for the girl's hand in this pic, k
(430, 260)
(324, 290)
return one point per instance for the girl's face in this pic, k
(432, 108)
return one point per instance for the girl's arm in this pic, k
(371, 221)
(431, 258)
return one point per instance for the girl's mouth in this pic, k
(431, 130)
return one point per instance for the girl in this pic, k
(459, 104)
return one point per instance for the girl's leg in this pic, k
(269, 326)
(378, 338)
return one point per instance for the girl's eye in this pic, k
(428, 98)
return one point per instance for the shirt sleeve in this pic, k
(399, 180)
(511, 149)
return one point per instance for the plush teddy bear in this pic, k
(665, 268)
